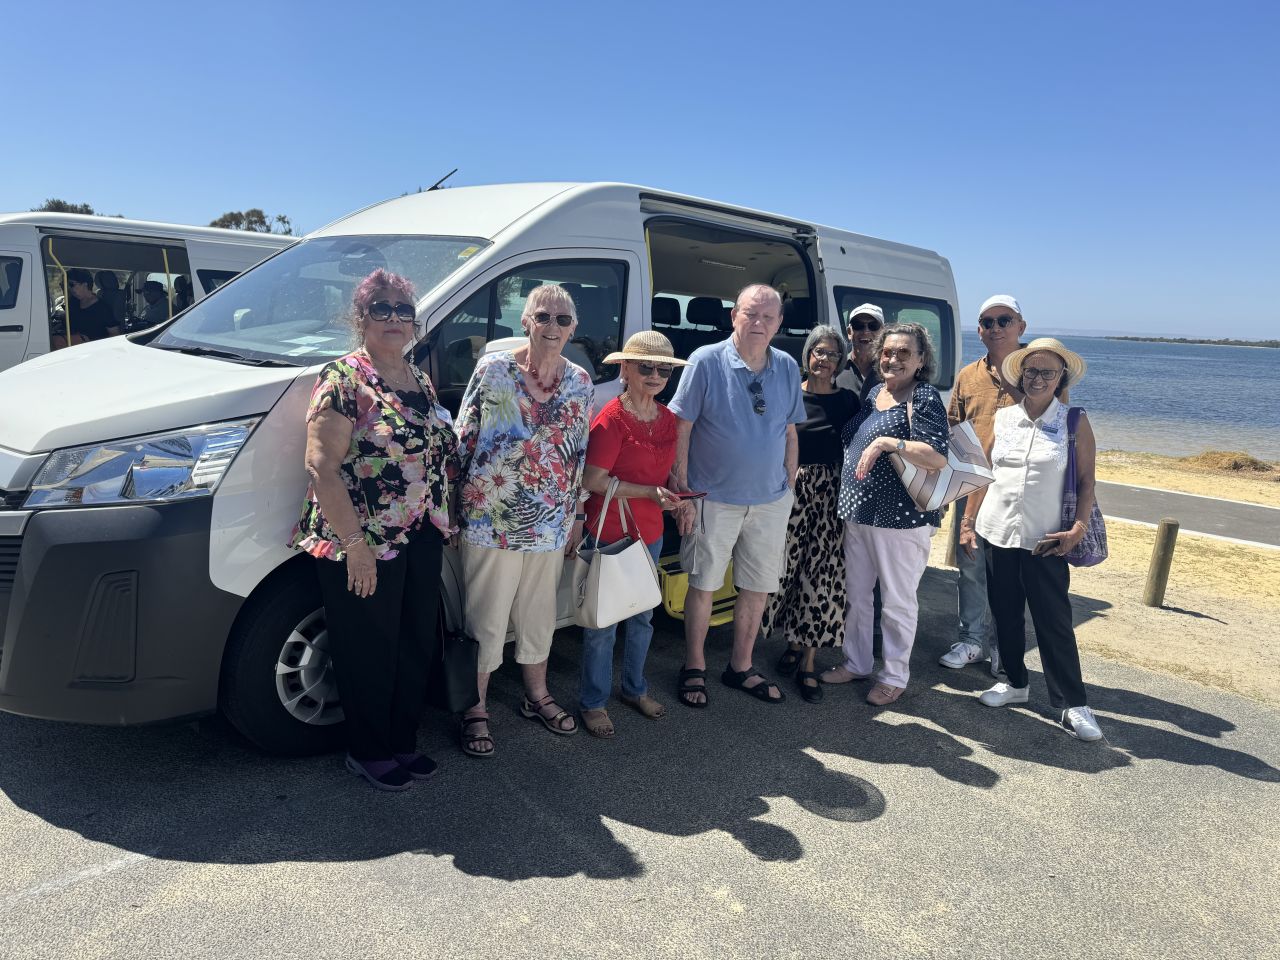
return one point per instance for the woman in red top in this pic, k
(632, 438)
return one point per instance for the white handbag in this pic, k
(614, 581)
(967, 470)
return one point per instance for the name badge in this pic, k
(1049, 428)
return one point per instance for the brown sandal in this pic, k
(471, 741)
(533, 710)
(597, 723)
(645, 705)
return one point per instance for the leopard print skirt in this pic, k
(809, 605)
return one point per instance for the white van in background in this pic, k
(148, 491)
(37, 250)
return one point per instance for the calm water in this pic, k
(1176, 399)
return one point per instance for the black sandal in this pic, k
(533, 710)
(737, 679)
(811, 693)
(686, 688)
(789, 662)
(469, 740)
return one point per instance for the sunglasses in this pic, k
(757, 397)
(649, 369)
(819, 354)
(382, 311)
(902, 355)
(562, 319)
(986, 323)
(860, 325)
(1032, 373)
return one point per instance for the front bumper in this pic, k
(107, 614)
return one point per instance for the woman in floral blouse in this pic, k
(523, 432)
(381, 454)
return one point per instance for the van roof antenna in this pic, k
(436, 185)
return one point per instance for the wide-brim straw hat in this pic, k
(647, 345)
(1012, 366)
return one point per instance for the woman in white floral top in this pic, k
(523, 440)
(381, 454)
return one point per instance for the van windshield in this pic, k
(294, 308)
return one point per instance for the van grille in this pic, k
(12, 499)
(10, 547)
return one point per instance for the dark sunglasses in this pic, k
(872, 325)
(757, 397)
(542, 319)
(988, 322)
(649, 369)
(382, 311)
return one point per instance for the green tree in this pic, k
(54, 205)
(255, 221)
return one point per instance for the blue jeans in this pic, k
(975, 617)
(597, 654)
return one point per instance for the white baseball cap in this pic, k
(1000, 300)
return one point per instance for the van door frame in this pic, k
(17, 324)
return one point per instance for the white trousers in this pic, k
(897, 558)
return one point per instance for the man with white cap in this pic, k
(979, 392)
(862, 330)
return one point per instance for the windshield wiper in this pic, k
(224, 355)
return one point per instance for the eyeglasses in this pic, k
(860, 325)
(1032, 373)
(819, 354)
(649, 369)
(542, 319)
(902, 355)
(757, 397)
(986, 323)
(382, 311)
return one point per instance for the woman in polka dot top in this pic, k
(885, 537)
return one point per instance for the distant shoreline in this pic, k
(1199, 342)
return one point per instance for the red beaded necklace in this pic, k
(537, 380)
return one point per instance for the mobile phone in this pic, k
(689, 495)
(1044, 546)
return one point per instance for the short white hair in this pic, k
(753, 290)
(549, 297)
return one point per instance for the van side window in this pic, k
(135, 281)
(10, 277)
(211, 280)
(933, 315)
(598, 289)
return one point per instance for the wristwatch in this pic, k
(902, 445)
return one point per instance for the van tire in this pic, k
(248, 695)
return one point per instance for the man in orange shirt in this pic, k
(979, 392)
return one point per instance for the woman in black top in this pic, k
(809, 604)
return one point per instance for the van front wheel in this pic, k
(278, 687)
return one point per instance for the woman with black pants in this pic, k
(381, 455)
(1019, 518)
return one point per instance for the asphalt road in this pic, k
(1222, 518)
(938, 829)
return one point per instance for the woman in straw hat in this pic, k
(1019, 517)
(633, 438)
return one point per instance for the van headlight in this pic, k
(159, 467)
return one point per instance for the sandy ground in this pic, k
(1220, 625)
(1171, 473)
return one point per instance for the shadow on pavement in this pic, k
(547, 806)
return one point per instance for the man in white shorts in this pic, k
(738, 404)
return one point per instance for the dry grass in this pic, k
(1233, 476)
(1220, 624)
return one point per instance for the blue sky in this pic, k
(1111, 164)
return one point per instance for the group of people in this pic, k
(782, 469)
(97, 307)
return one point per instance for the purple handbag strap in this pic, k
(1073, 421)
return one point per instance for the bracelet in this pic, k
(966, 519)
(351, 541)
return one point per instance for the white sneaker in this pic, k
(961, 654)
(1081, 724)
(1002, 695)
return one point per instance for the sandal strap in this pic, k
(691, 673)
(741, 677)
(467, 721)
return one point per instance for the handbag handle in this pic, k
(608, 498)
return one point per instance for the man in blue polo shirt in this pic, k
(738, 404)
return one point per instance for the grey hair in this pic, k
(924, 346)
(550, 295)
(816, 336)
(751, 289)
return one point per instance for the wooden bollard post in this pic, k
(953, 535)
(1161, 560)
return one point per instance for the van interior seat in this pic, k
(665, 312)
(705, 312)
(797, 314)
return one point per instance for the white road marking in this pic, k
(1181, 493)
(80, 876)
(1197, 533)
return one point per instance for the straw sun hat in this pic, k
(647, 345)
(1012, 367)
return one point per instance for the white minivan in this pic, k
(38, 249)
(149, 483)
